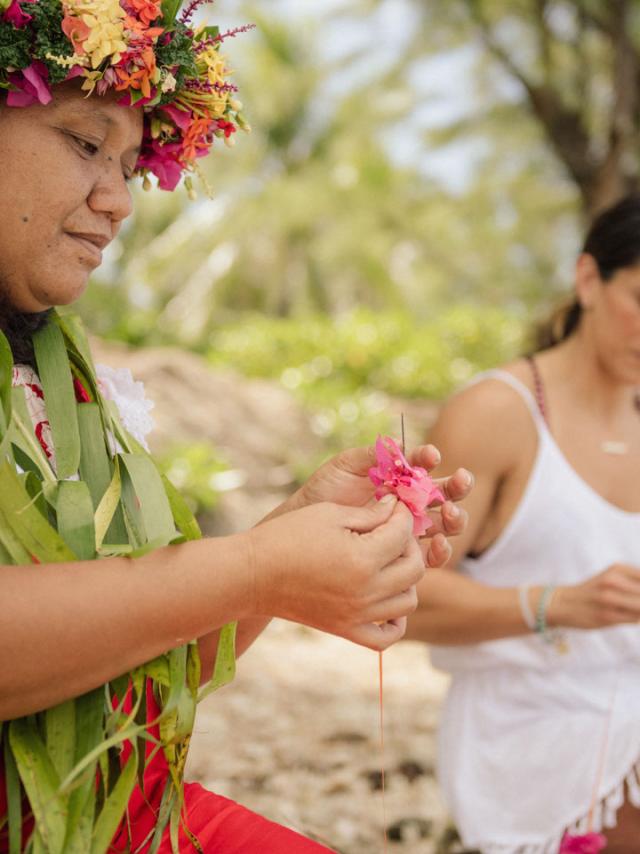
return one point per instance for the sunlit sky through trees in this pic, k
(361, 39)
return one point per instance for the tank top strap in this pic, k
(520, 389)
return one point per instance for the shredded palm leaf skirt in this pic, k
(70, 770)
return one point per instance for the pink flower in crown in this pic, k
(586, 843)
(32, 85)
(181, 118)
(75, 71)
(13, 14)
(163, 161)
(412, 484)
(108, 79)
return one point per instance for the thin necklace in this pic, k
(607, 446)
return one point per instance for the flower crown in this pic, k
(158, 60)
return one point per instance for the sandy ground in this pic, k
(297, 738)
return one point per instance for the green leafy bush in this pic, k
(198, 471)
(345, 370)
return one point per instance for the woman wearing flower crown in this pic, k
(115, 616)
(540, 737)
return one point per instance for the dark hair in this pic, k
(613, 241)
(18, 328)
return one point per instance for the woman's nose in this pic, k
(111, 194)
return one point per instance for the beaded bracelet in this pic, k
(525, 608)
(551, 636)
(541, 610)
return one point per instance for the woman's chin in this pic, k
(58, 294)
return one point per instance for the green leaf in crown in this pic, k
(115, 505)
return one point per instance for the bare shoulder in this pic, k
(486, 422)
(521, 370)
(490, 398)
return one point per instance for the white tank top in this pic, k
(562, 532)
(523, 724)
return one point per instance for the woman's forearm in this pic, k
(455, 610)
(67, 628)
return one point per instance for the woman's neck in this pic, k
(586, 379)
(18, 327)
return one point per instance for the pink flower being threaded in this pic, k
(412, 484)
(586, 843)
(31, 86)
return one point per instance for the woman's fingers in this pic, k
(390, 538)
(426, 456)
(362, 520)
(456, 487)
(619, 594)
(609, 598)
(436, 551)
(398, 606)
(399, 576)
(378, 636)
(448, 519)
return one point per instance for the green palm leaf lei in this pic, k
(120, 505)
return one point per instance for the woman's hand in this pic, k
(608, 599)
(350, 571)
(344, 479)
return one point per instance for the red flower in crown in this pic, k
(411, 484)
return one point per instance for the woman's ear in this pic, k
(588, 280)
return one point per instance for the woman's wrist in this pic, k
(558, 608)
(542, 611)
(294, 502)
(223, 569)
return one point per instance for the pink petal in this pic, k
(14, 15)
(76, 71)
(32, 85)
(421, 525)
(181, 118)
(587, 843)
(413, 486)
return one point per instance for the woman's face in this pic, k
(612, 311)
(63, 193)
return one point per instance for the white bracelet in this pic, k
(525, 608)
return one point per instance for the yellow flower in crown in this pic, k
(103, 28)
(214, 71)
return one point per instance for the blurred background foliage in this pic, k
(411, 198)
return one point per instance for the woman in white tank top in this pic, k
(540, 734)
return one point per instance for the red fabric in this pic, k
(220, 825)
(224, 827)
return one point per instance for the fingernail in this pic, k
(467, 480)
(388, 498)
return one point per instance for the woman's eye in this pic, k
(89, 147)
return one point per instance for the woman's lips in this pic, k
(92, 244)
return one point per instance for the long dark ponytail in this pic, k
(613, 241)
